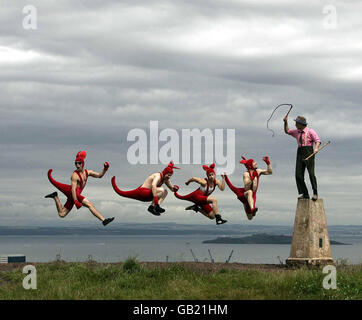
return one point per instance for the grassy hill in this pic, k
(133, 280)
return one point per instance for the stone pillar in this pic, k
(311, 245)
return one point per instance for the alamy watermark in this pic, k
(30, 281)
(218, 146)
(30, 20)
(330, 280)
(330, 21)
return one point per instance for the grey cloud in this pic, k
(101, 68)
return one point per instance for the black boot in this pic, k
(194, 207)
(52, 195)
(151, 209)
(108, 220)
(158, 209)
(219, 220)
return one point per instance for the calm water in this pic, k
(155, 248)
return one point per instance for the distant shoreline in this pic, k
(261, 238)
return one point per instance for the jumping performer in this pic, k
(201, 197)
(247, 195)
(73, 192)
(306, 138)
(151, 189)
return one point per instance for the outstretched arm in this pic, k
(269, 169)
(171, 186)
(286, 127)
(99, 174)
(197, 180)
(221, 184)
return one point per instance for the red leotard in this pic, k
(199, 198)
(67, 189)
(240, 191)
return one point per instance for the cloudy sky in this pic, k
(92, 71)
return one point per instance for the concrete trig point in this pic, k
(311, 245)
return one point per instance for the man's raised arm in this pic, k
(269, 169)
(197, 180)
(286, 126)
(99, 174)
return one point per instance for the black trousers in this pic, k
(302, 153)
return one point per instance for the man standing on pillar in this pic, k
(308, 143)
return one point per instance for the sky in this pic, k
(89, 72)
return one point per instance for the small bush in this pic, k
(131, 265)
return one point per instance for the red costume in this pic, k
(144, 194)
(240, 192)
(199, 196)
(67, 189)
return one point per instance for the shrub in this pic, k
(131, 265)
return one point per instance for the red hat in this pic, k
(169, 168)
(81, 155)
(209, 169)
(248, 163)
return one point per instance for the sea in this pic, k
(163, 248)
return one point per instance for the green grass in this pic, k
(132, 280)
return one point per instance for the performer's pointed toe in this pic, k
(107, 221)
(194, 207)
(52, 195)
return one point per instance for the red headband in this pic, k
(248, 163)
(169, 168)
(81, 155)
(209, 169)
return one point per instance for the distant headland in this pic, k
(261, 238)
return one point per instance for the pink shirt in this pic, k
(308, 140)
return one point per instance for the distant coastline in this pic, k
(261, 238)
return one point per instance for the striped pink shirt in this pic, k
(309, 136)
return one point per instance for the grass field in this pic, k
(132, 280)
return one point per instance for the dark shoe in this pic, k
(219, 220)
(52, 195)
(151, 209)
(158, 209)
(303, 197)
(315, 197)
(254, 211)
(194, 207)
(108, 220)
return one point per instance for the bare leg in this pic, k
(62, 211)
(93, 209)
(215, 208)
(249, 196)
(208, 215)
(161, 194)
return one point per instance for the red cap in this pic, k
(169, 168)
(248, 163)
(209, 169)
(81, 155)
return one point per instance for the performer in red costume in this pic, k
(247, 195)
(201, 197)
(151, 189)
(73, 192)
